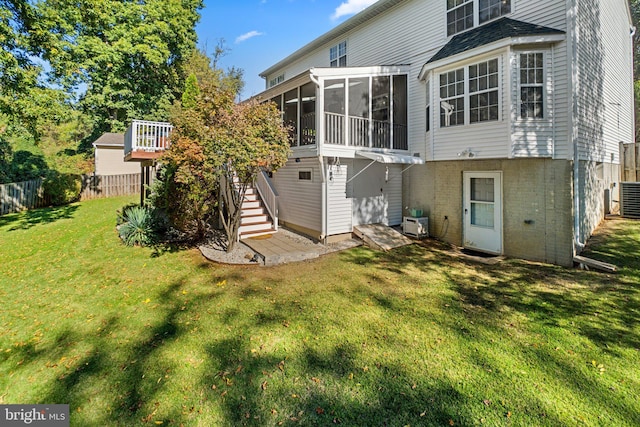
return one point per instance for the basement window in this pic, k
(304, 175)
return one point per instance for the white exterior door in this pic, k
(482, 211)
(370, 202)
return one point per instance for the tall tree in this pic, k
(634, 5)
(25, 101)
(128, 55)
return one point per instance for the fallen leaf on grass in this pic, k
(319, 411)
(263, 385)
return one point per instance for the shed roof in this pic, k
(110, 139)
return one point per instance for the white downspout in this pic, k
(578, 246)
(319, 137)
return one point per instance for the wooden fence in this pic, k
(19, 196)
(630, 162)
(101, 186)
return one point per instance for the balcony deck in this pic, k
(146, 140)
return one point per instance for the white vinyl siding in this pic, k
(536, 137)
(300, 201)
(603, 105)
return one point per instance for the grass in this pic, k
(129, 336)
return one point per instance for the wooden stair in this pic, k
(255, 220)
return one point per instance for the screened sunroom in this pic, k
(339, 111)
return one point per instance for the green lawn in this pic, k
(414, 337)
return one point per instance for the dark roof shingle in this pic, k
(497, 30)
(109, 138)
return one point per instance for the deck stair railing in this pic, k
(269, 195)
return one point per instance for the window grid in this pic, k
(459, 16)
(465, 14)
(338, 55)
(492, 9)
(531, 85)
(483, 90)
(452, 98)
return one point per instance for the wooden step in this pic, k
(257, 226)
(252, 219)
(250, 234)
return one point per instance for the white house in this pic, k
(500, 119)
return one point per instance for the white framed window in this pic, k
(459, 16)
(338, 55)
(483, 91)
(428, 106)
(452, 98)
(466, 14)
(305, 175)
(474, 89)
(276, 80)
(532, 85)
(492, 9)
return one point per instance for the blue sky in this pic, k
(260, 33)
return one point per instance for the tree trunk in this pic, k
(230, 210)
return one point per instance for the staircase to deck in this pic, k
(255, 220)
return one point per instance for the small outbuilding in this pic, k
(109, 156)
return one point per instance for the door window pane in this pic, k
(482, 190)
(482, 214)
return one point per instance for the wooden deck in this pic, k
(139, 156)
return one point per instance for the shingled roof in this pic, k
(497, 30)
(110, 139)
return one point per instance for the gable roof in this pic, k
(360, 18)
(500, 29)
(110, 139)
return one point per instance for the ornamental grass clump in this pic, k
(137, 227)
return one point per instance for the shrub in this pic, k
(137, 227)
(62, 188)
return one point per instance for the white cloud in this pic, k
(351, 7)
(248, 35)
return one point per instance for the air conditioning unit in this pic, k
(630, 199)
(416, 227)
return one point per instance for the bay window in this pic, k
(476, 89)
(531, 86)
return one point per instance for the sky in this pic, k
(259, 33)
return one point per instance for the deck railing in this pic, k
(364, 132)
(269, 196)
(147, 136)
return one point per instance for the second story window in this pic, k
(492, 9)
(459, 16)
(483, 91)
(452, 98)
(276, 80)
(338, 55)
(476, 89)
(531, 86)
(465, 14)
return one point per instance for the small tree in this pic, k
(252, 137)
(217, 149)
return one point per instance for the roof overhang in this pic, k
(498, 45)
(391, 158)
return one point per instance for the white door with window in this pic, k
(482, 211)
